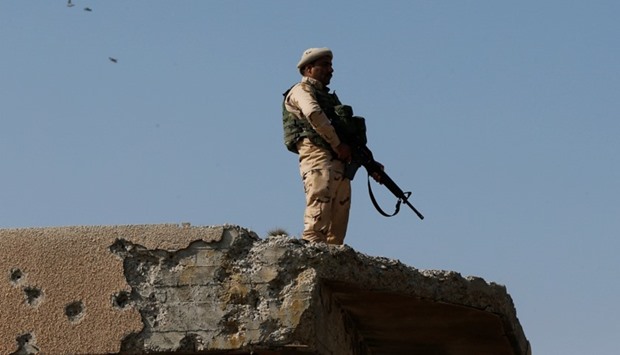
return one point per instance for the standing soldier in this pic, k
(308, 111)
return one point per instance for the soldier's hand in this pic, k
(344, 152)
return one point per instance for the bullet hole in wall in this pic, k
(26, 345)
(121, 299)
(16, 276)
(34, 295)
(74, 311)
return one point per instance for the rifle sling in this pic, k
(374, 202)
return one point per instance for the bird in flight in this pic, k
(88, 9)
(113, 60)
(69, 4)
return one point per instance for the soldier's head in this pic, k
(316, 63)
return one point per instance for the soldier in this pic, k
(308, 110)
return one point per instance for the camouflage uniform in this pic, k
(328, 192)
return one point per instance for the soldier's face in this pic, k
(321, 70)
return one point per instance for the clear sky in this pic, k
(502, 118)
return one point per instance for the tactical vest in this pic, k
(296, 129)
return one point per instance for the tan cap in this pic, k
(312, 54)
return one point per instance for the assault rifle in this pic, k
(363, 156)
(352, 130)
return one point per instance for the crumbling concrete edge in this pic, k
(380, 274)
(142, 267)
(324, 264)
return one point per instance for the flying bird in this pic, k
(113, 60)
(88, 9)
(69, 4)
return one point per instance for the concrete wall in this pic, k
(182, 289)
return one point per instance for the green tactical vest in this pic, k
(296, 129)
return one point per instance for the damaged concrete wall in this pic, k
(187, 290)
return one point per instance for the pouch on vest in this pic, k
(350, 129)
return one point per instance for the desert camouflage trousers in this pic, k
(328, 194)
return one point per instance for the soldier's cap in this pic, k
(312, 54)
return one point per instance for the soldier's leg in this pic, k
(341, 206)
(317, 215)
(315, 168)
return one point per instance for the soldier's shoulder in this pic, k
(303, 87)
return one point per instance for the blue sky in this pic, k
(501, 118)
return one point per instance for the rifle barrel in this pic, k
(414, 209)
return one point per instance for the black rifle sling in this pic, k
(374, 201)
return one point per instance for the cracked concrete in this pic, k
(182, 289)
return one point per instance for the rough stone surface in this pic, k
(179, 289)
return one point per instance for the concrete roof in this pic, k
(180, 289)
